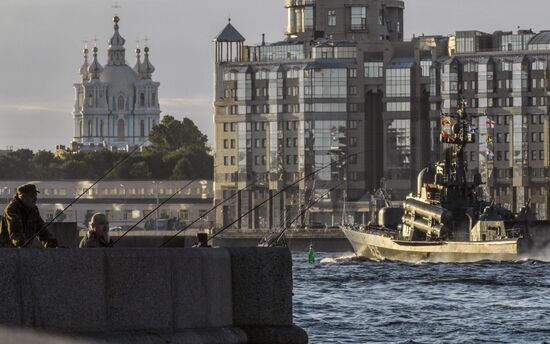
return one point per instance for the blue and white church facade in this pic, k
(116, 106)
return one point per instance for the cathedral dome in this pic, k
(121, 79)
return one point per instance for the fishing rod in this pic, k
(311, 204)
(152, 211)
(204, 215)
(280, 191)
(84, 192)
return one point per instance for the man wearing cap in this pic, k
(21, 220)
(98, 234)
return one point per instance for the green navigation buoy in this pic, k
(311, 255)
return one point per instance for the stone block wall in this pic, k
(151, 295)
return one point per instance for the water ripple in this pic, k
(342, 299)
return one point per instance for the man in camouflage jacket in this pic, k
(21, 220)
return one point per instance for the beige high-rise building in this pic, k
(344, 82)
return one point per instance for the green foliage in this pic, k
(172, 134)
(178, 151)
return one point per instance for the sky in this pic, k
(41, 44)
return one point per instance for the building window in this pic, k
(226, 144)
(353, 90)
(153, 99)
(398, 107)
(538, 65)
(142, 99)
(120, 103)
(374, 69)
(331, 16)
(327, 83)
(90, 133)
(352, 72)
(398, 82)
(353, 141)
(397, 157)
(120, 128)
(358, 18)
(352, 124)
(142, 128)
(470, 68)
(101, 128)
(426, 65)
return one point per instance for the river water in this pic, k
(344, 300)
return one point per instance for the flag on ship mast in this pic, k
(489, 154)
(490, 123)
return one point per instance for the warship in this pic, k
(448, 220)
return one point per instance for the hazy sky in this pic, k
(41, 49)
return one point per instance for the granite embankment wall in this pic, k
(234, 295)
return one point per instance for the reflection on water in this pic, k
(345, 300)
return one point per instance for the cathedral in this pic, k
(116, 106)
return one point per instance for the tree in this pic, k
(172, 134)
(45, 165)
(179, 150)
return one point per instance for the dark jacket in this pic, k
(19, 224)
(92, 240)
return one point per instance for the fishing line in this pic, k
(311, 204)
(83, 193)
(280, 191)
(155, 209)
(203, 215)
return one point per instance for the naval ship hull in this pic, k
(380, 246)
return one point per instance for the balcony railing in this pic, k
(293, 3)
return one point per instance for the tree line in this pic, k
(178, 150)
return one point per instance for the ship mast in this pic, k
(456, 166)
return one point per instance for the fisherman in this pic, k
(98, 233)
(21, 220)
